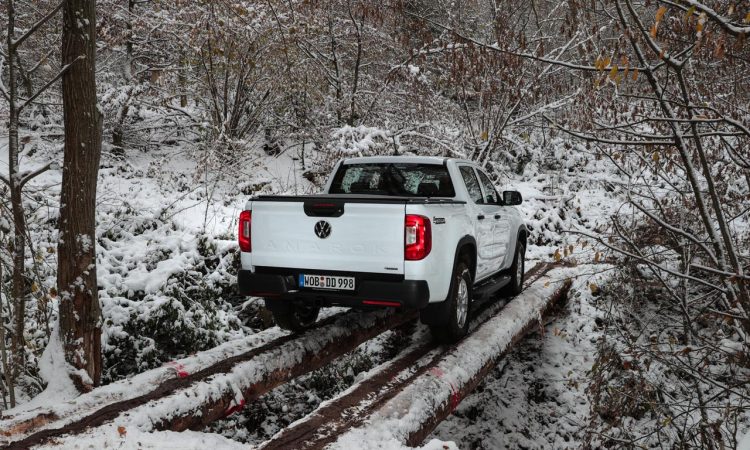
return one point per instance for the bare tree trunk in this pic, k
(118, 133)
(19, 223)
(80, 325)
(19, 259)
(336, 68)
(182, 79)
(6, 369)
(357, 63)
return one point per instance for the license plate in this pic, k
(326, 282)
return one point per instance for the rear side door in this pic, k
(483, 226)
(495, 212)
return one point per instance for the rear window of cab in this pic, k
(393, 179)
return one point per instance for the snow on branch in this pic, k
(725, 23)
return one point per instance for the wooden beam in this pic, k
(214, 392)
(413, 413)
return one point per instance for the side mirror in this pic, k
(512, 198)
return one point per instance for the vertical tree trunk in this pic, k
(19, 223)
(4, 365)
(80, 325)
(118, 132)
(182, 79)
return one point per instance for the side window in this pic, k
(490, 194)
(472, 184)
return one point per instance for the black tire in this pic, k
(292, 316)
(455, 321)
(516, 272)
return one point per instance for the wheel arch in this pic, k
(523, 235)
(467, 245)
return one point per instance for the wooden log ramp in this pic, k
(211, 393)
(391, 398)
(412, 413)
(353, 407)
(16, 424)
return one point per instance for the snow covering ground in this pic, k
(166, 264)
(69, 410)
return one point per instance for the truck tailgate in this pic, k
(367, 237)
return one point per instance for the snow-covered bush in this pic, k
(190, 313)
(664, 371)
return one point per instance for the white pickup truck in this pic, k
(408, 232)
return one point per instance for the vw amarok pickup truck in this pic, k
(407, 232)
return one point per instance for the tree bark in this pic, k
(80, 325)
(19, 222)
(5, 367)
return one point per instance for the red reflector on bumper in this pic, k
(380, 303)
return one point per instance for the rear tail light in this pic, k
(246, 218)
(417, 237)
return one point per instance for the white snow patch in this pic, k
(55, 371)
(744, 442)
(131, 438)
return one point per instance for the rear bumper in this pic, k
(369, 292)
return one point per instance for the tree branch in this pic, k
(14, 44)
(720, 272)
(723, 22)
(647, 261)
(674, 229)
(40, 62)
(53, 165)
(590, 138)
(544, 59)
(49, 83)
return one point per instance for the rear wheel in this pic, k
(292, 316)
(516, 272)
(455, 320)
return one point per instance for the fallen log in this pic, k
(16, 423)
(199, 399)
(414, 412)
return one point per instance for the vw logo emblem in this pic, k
(323, 229)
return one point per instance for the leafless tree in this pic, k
(17, 179)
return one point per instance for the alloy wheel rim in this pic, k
(462, 303)
(519, 268)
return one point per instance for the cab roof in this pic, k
(404, 159)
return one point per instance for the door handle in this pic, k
(497, 216)
(480, 217)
